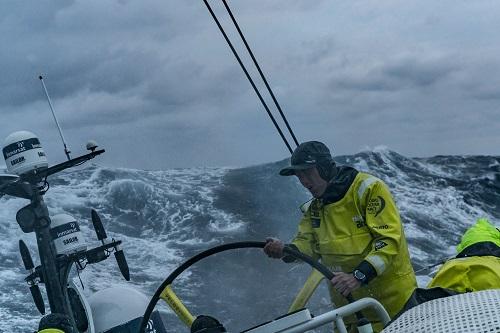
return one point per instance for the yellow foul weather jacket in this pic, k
(361, 229)
(477, 265)
(469, 274)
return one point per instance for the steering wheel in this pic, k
(165, 292)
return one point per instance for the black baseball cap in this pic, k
(306, 156)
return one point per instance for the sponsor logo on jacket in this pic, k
(316, 214)
(375, 206)
(360, 222)
(380, 244)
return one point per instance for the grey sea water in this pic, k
(165, 217)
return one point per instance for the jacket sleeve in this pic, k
(383, 220)
(305, 238)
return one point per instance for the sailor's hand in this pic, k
(345, 283)
(274, 248)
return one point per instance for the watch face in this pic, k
(359, 275)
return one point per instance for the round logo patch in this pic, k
(375, 206)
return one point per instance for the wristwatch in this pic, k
(359, 275)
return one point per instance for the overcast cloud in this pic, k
(155, 84)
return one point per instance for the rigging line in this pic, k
(261, 73)
(248, 77)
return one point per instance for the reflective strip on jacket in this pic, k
(363, 225)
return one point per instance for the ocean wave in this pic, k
(164, 217)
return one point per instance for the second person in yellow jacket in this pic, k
(477, 264)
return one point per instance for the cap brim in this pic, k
(290, 171)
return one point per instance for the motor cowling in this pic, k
(23, 153)
(120, 309)
(66, 234)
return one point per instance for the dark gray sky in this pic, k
(155, 84)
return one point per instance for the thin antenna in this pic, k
(66, 150)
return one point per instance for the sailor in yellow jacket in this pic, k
(353, 226)
(477, 265)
